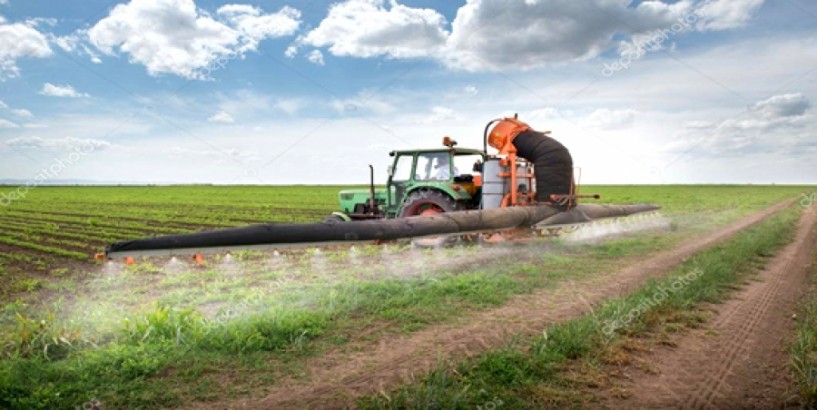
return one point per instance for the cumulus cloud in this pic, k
(315, 57)
(176, 37)
(368, 28)
(67, 143)
(769, 125)
(511, 34)
(726, 14)
(19, 40)
(255, 26)
(786, 105)
(65, 91)
(76, 42)
(222, 117)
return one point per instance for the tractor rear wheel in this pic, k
(425, 202)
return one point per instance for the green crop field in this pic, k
(166, 332)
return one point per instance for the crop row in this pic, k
(42, 248)
(122, 220)
(87, 238)
(84, 230)
(97, 223)
(84, 226)
(197, 215)
(63, 243)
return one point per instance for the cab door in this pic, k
(400, 179)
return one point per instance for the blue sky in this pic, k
(308, 91)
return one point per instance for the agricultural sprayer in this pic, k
(527, 186)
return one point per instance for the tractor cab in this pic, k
(420, 182)
(441, 180)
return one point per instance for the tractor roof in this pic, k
(456, 151)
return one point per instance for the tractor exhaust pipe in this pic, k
(372, 202)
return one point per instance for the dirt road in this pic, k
(337, 378)
(739, 361)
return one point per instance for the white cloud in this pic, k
(4, 2)
(67, 143)
(605, 118)
(255, 26)
(175, 37)
(291, 51)
(471, 90)
(777, 124)
(726, 14)
(511, 34)
(507, 34)
(7, 124)
(17, 112)
(20, 40)
(222, 117)
(315, 57)
(785, 105)
(66, 91)
(368, 28)
(76, 42)
(22, 113)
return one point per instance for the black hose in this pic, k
(552, 163)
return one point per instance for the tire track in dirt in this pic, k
(740, 360)
(335, 379)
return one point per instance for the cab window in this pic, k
(433, 167)
(402, 168)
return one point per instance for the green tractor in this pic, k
(420, 182)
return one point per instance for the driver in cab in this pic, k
(442, 169)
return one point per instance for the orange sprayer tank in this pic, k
(504, 132)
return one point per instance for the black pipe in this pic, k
(588, 212)
(552, 163)
(385, 229)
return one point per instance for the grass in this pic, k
(152, 336)
(159, 346)
(538, 373)
(803, 349)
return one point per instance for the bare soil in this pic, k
(740, 359)
(336, 379)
